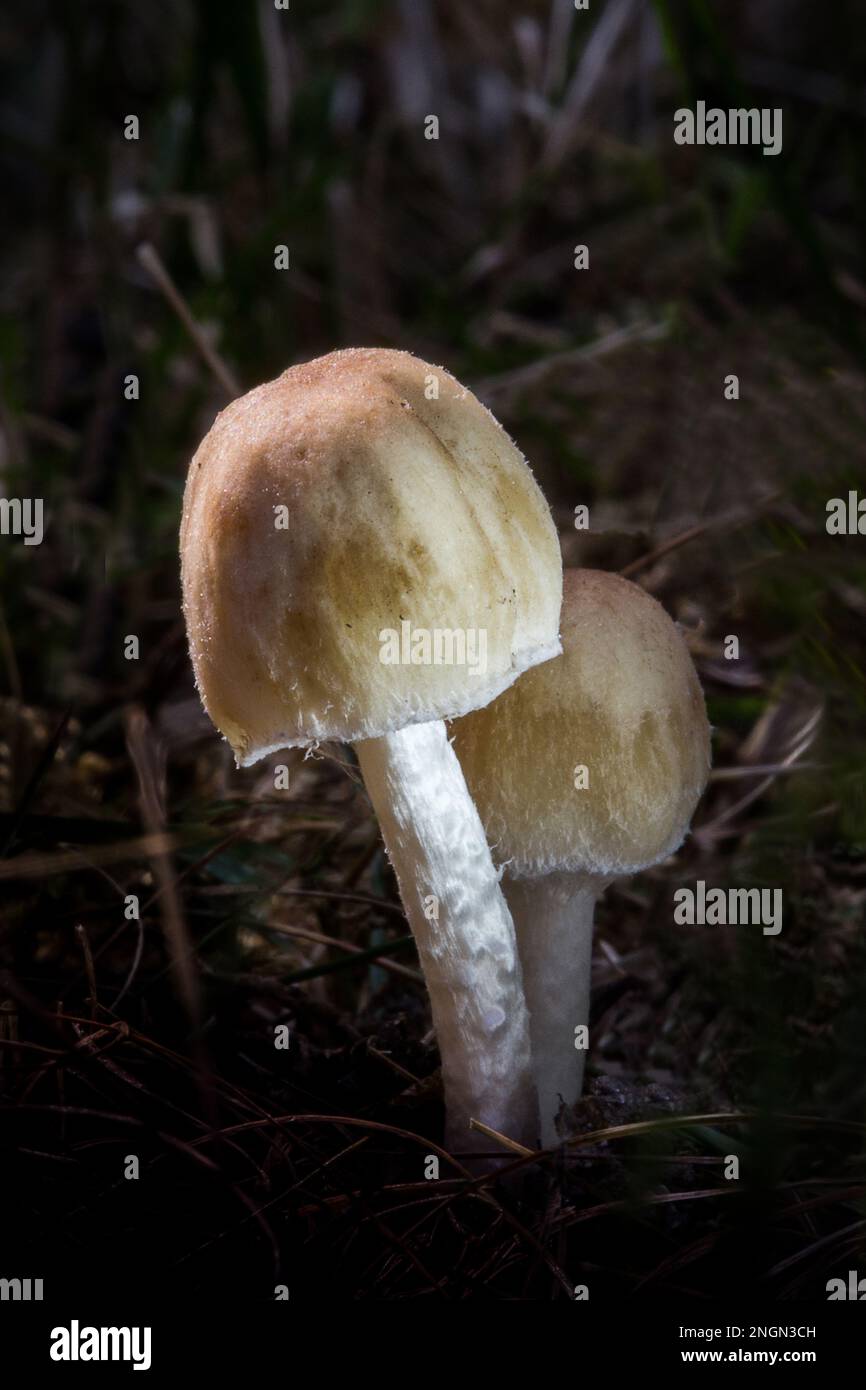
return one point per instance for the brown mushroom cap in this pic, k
(401, 507)
(624, 701)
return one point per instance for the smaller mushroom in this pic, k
(589, 768)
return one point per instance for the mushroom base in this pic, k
(553, 916)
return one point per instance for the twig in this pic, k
(88, 965)
(804, 740)
(149, 259)
(738, 518)
(395, 1066)
(8, 651)
(594, 62)
(368, 899)
(735, 774)
(666, 547)
(38, 865)
(534, 372)
(502, 1139)
(134, 967)
(320, 939)
(138, 741)
(46, 758)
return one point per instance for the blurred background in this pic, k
(154, 259)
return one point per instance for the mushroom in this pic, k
(365, 553)
(589, 768)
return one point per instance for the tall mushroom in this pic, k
(587, 769)
(365, 553)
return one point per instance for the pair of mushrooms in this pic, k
(408, 503)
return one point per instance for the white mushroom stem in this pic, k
(462, 928)
(553, 917)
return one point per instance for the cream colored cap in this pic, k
(326, 510)
(623, 701)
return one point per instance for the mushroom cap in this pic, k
(624, 701)
(401, 509)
